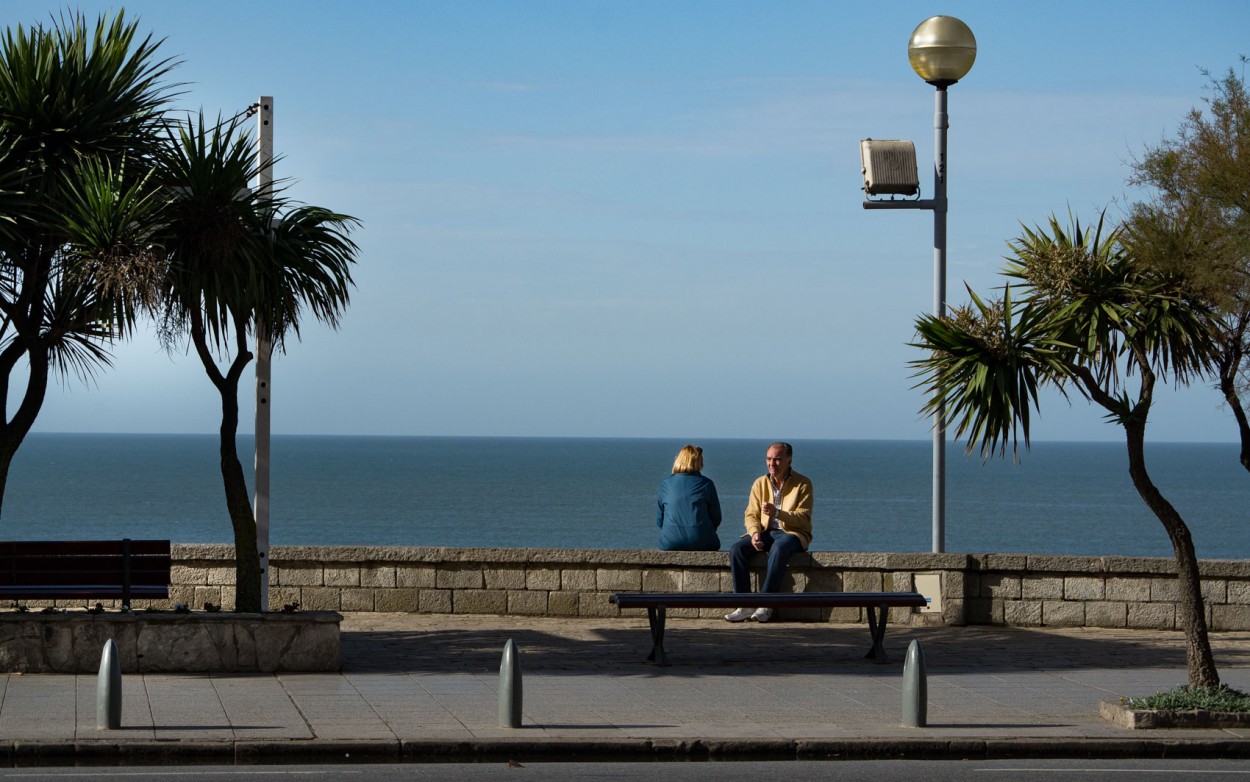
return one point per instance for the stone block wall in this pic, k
(1004, 589)
(1133, 592)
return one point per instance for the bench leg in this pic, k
(655, 617)
(877, 616)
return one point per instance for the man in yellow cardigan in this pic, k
(779, 522)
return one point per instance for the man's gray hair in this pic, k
(789, 449)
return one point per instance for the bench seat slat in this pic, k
(768, 599)
(79, 590)
(74, 578)
(42, 562)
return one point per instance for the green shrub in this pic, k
(1185, 698)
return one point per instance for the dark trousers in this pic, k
(779, 545)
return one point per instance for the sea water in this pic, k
(1061, 498)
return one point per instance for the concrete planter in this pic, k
(170, 642)
(1145, 719)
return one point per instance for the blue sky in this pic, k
(644, 218)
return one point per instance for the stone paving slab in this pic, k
(426, 684)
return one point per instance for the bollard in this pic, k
(108, 689)
(915, 688)
(510, 687)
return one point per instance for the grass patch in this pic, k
(1185, 698)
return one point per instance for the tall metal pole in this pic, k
(940, 124)
(264, 186)
(941, 50)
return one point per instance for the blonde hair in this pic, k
(689, 459)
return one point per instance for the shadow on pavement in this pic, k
(700, 647)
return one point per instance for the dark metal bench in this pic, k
(878, 605)
(90, 569)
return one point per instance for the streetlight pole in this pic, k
(264, 350)
(940, 124)
(941, 50)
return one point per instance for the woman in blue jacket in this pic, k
(688, 510)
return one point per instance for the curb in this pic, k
(31, 753)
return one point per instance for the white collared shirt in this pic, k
(772, 520)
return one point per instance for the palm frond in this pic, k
(238, 255)
(80, 114)
(1089, 311)
(214, 223)
(985, 365)
(110, 223)
(77, 343)
(310, 256)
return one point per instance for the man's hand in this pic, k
(757, 541)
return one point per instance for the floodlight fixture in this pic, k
(889, 167)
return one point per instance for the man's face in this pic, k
(778, 462)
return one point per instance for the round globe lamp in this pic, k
(942, 50)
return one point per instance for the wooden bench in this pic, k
(91, 569)
(878, 605)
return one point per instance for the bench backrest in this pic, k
(85, 568)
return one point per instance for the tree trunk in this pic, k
(1193, 619)
(13, 433)
(247, 572)
(1228, 365)
(9, 443)
(1228, 386)
(1192, 614)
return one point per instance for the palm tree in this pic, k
(80, 108)
(234, 263)
(1091, 318)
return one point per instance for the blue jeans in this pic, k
(779, 545)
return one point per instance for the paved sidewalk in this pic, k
(424, 687)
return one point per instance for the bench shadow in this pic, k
(700, 647)
(994, 725)
(158, 728)
(601, 726)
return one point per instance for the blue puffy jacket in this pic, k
(688, 513)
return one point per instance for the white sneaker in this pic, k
(762, 615)
(738, 615)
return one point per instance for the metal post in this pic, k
(941, 50)
(938, 204)
(940, 124)
(264, 349)
(108, 689)
(915, 688)
(510, 687)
